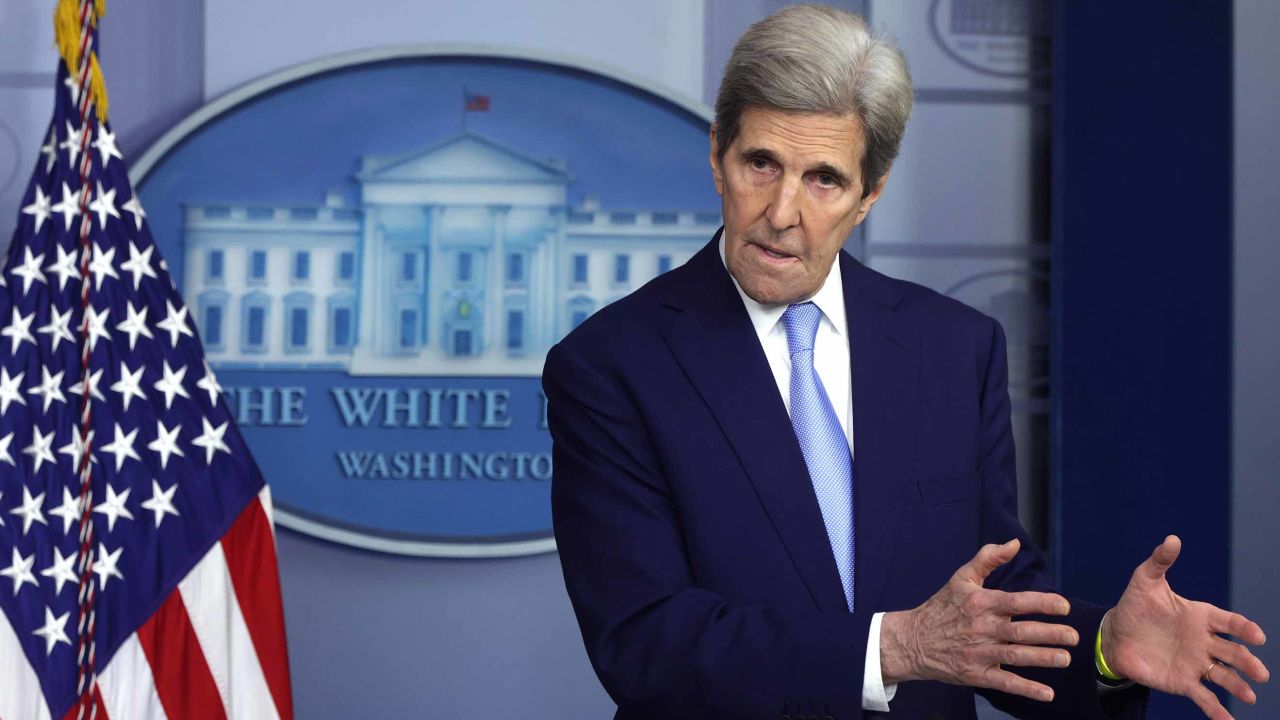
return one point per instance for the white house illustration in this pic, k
(462, 258)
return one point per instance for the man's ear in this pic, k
(717, 170)
(864, 205)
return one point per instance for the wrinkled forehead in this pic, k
(802, 138)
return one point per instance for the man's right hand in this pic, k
(965, 633)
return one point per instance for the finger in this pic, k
(1239, 657)
(987, 560)
(1231, 623)
(1162, 558)
(1032, 656)
(1005, 681)
(1031, 603)
(1208, 703)
(1231, 681)
(1038, 633)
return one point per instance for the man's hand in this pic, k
(1166, 642)
(964, 633)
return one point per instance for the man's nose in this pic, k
(784, 207)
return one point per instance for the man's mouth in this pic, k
(773, 254)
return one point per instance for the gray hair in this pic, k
(817, 59)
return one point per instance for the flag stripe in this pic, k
(128, 687)
(99, 708)
(183, 682)
(218, 623)
(251, 559)
(20, 694)
(264, 496)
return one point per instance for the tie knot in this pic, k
(802, 326)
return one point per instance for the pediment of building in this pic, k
(465, 158)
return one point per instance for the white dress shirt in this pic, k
(831, 360)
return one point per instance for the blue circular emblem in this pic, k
(1004, 38)
(380, 248)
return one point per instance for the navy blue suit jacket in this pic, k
(690, 537)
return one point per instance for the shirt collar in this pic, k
(829, 299)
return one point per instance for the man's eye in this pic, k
(827, 180)
(758, 163)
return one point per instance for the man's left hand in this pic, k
(1164, 641)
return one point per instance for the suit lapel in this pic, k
(713, 340)
(885, 366)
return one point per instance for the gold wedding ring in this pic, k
(1211, 667)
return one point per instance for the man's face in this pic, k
(791, 187)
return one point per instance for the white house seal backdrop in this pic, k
(380, 248)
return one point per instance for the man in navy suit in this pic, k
(784, 483)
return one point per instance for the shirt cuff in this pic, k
(875, 694)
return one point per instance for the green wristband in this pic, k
(1103, 669)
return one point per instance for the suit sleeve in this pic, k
(661, 645)
(1076, 693)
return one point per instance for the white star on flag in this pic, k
(29, 270)
(40, 449)
(65, 267)
(166, 443)
(171, 384)
(105, 565)
(69, 511)
(139, 263)
(103, 205)
(129, 385)
(97, 326)
(5, 456)
(135, 208)
(59, 327)
(10, 390)
(122, 446)
(161, 502)
(175, 323)
(72, 144)
(61, 570)
(19, 329)
(73, 89)
(69, 207)
(40, 208)
(211, 440)
(209, 383)
(135, 324)
(54, 631)
(50, 151)
(114, 507)
(101, 265)
(20, 571)
(50, 388)
(29, 510)
(106, 146)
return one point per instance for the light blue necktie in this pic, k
(825, 448)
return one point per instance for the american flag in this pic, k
(475, 103)
(187, 618)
